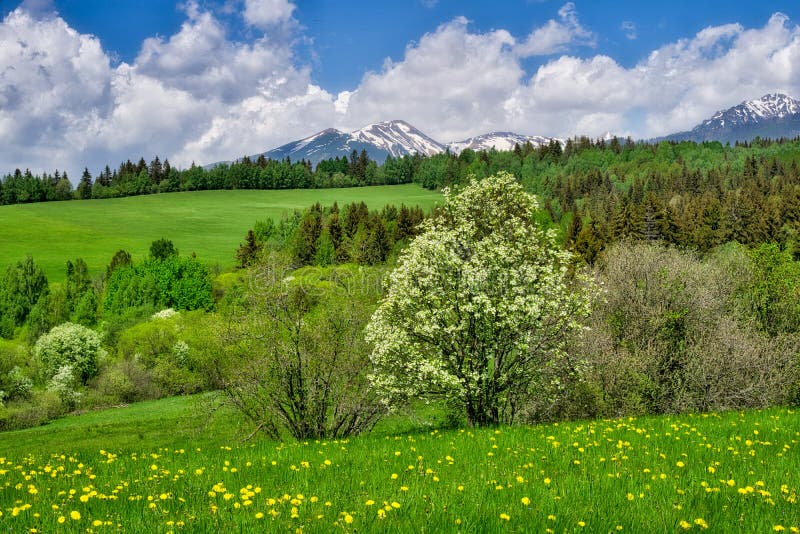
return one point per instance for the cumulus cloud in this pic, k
(53, 81)
(199, 95)
(557, 35)
(453, 82)
(265, 13)
(201, 60)
(195, 96)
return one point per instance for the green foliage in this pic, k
(672, 335)
(175, 282)
(775, 292)
(293, 360)
(120, 259)
(16, 384)
(21, 288)
(478, 305)
(70, 345)
(163, 248)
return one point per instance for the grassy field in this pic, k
(162, 466)
(210, 223)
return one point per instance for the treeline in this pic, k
(330, 236)
(30, 306)
(144, 178)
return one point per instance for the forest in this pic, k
(695, 247)
(691, 195)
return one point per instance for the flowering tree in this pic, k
(478, 303)
(70, 345)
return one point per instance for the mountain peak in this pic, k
(496, 140)
(769, 106)
(397, 137)
(773, 115)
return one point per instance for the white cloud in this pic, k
(452, 83)
(195, 96)
(53, 81)
(200, 96)
(455, 83)
(557, 35)
(265, 13)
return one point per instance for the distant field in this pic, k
(210, 223)
(167, 465)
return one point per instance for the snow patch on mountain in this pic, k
(398, 138)
(498, 141)
(768, 107)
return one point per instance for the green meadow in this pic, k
(167, 466)
(210, 223)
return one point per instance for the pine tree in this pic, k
(84, 190)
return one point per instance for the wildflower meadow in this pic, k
(728, 472)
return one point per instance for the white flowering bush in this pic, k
(19, 385)
(165, 314)
(65, 384)
(70, 345)
(478, 304)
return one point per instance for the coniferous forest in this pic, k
(692, 195)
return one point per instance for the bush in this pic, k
(672, 335)
(294, 361)
(17, 385)
(41, 408)
(70, 345)
(65, 384)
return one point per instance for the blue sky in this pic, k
(89, 82)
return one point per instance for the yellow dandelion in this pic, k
(526, 501)
(505, 517)
(685, 525)
(75, 515)
(348, 519)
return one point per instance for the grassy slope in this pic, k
(734, 472)
(210, 223)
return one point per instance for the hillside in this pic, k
(210, 223)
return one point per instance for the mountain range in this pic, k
(394, 138)
(773, 116)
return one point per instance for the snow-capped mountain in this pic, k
(395, 138)
(398, 138)
(496, 140)
(772, 115)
